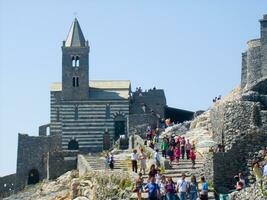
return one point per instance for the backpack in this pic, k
(170, 152)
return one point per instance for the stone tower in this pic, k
(75, 65)
(254, 63)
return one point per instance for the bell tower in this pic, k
(75, 65)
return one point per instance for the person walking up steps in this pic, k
(142, 158)
(134, 157)
(193, 188)
(182, 188)
(111, 161)
(164, 147)
(170, 153)
(177, 153)
(192, 156)
(162, 185)
(170, 189)
(183, 147)
(188, 147)
(138, 186)
(203, 189)
(153, 189)
(157, 158)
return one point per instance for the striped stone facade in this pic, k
(86, 122)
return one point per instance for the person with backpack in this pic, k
(170, 189)
(153, 189)
(203, 189)
(182, 187)
(193, 188)
(170, 153)
(192, 156)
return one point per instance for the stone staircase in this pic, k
(97, 162)
(175, 172)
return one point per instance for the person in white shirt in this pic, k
(134, 158)
(182, 187)
(157, 158)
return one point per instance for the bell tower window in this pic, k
(75, 81)
(75, 61)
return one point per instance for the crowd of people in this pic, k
(160, 187)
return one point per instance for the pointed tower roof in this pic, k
(75, 36)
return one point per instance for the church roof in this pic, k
(75, 36)
(104, 90)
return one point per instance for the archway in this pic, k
(33, 177)
(73, 145)
(120, 126)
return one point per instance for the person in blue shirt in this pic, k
(153, 189)
(203, 189)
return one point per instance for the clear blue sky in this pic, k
(191, 49)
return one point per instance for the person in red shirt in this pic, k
(192, 156)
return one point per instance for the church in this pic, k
(84, 111)
(86, 116)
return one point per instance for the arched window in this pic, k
(77, 61)
(73, 145)
(75, 81)
(73, 61)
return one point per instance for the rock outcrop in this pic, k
(94, 186)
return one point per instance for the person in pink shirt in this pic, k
(177, 153)
(192, 156)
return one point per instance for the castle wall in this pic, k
(155, 101)
(241, 126)
(263, 23)
(61, 162)
(32, 154)
(139, 122)
(7, 185)
(244, 70)
(253, 63)
(232, 120)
